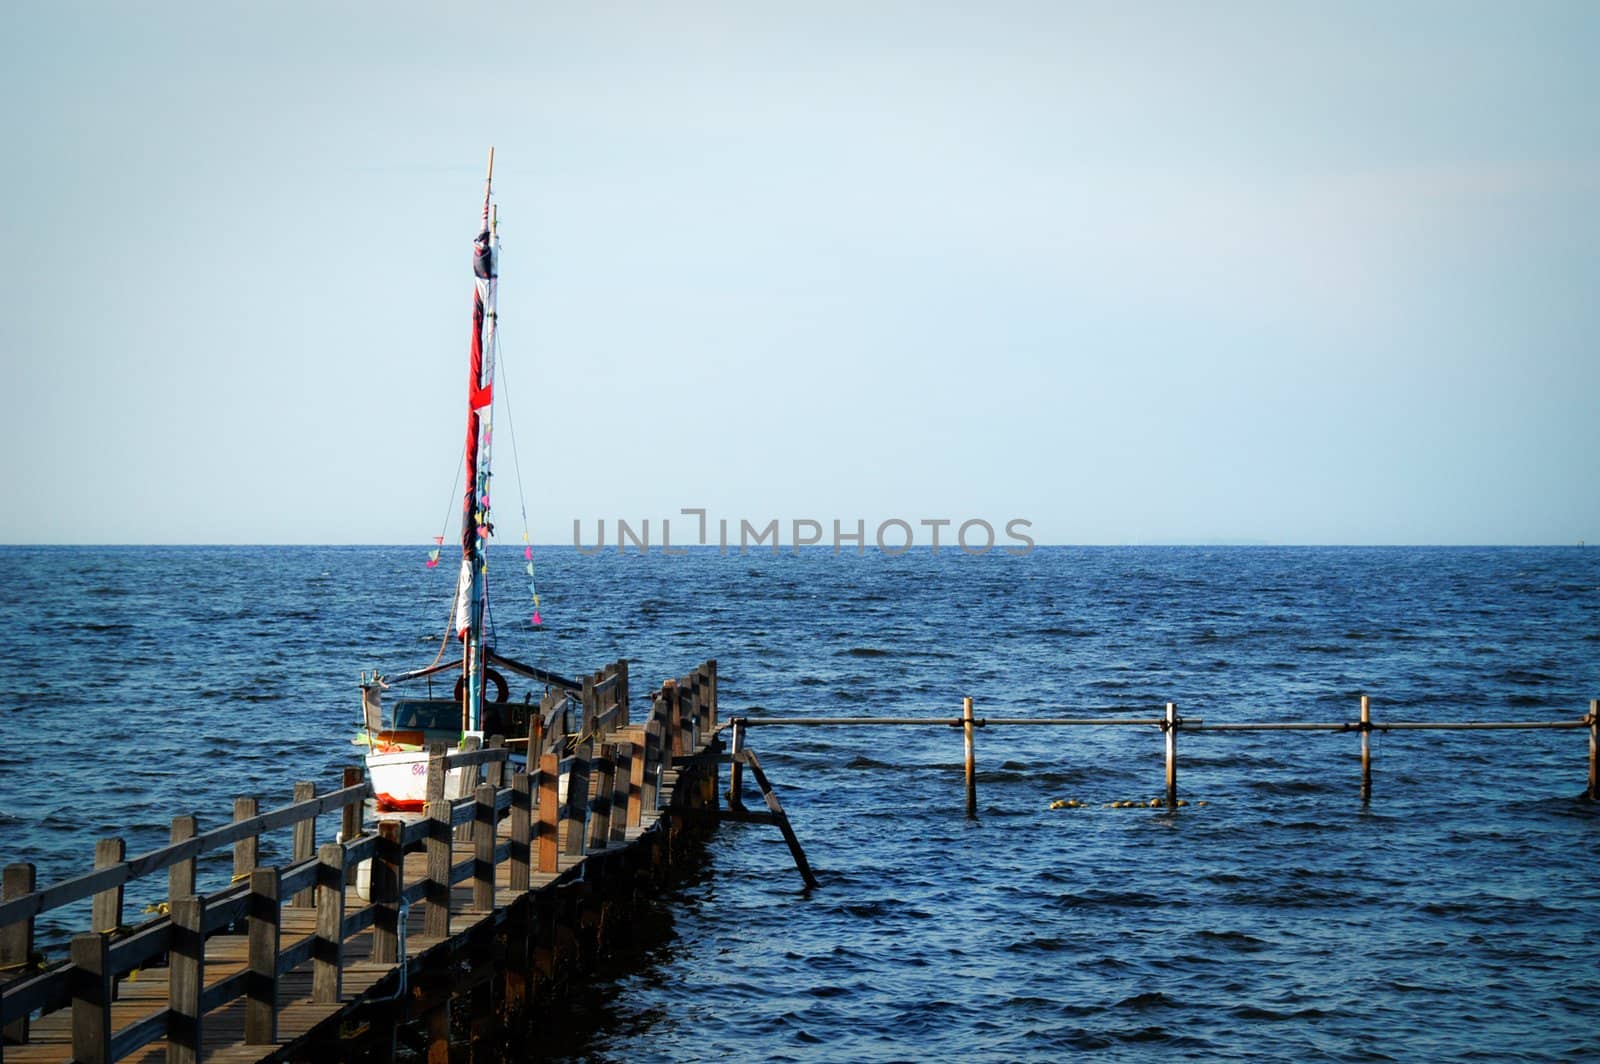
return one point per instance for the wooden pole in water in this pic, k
(736, 767)
(1593, 793)
(1172, 755)
(972, 759)
(1366, 749)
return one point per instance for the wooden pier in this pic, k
(484, 906)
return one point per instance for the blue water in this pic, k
(1456, 918)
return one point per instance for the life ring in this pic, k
(502, 692)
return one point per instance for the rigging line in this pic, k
(511, 424)
(516, 458)
(450, 612)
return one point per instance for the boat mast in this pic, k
(472, 589)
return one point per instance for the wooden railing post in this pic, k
(436, 923)
(108, 903)
(546, 737)
(622, 759)
(591, 707)
(247, 850)
(263, 921)
(1172, 755)
(91, 998)
(676, 744)
(651, 786)
(549, 811)
(636, 770)
(305, 840)
(180, 876)
(574, 815)
(434, 785)
(186, 979)
(711, 693)
(969, 743)
(388, 865)
(1366, 749)
(327, 952)
(107, 908)
(469, 783)
(600, 801)
(521, 850)
(483, 849)
(494, 773)
(622, 692)
(350, 826)
(703, 697)
(16, 940)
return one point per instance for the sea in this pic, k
(1276, 916)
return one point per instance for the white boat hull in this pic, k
(400, 780)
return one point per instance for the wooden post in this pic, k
(305, 841)
(636, 770)
(599, 828)
(494, 773)
(591, 707)
(736, 766)
(263, 920)
(438, 1023)
(483, 849)
(622, 693)
(436, 923)
(782, 819)
(547, 736)
(549, 811)
(186, 979)
(972, 758)
(108, 903)
(689, 693)
(574, 816)
(1172, 755)
(1366, 749)
(653, 748)
(622, 772)
(180, 876)
(674, 722)
(468, 785)
(1593, 793)
(711, 694)
(327, 952)
(387, 869)
(521, 831)
(91, 998)
(434, 786)
(245, 851)
(16, 940)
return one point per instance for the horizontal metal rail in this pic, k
(1186, 723)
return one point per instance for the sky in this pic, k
(1271, 272)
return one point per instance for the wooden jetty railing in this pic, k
(1170, 725)
(513, 835)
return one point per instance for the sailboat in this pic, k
(398, 750)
